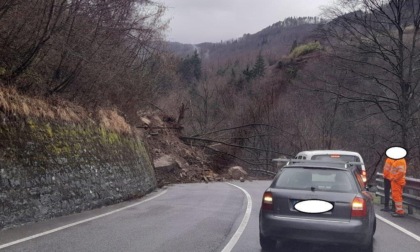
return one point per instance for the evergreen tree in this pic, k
(259, 67)
(190, 68)
(196, 65)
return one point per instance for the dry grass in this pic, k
(14, 104)
(110, 119)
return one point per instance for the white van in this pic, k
(334, 155)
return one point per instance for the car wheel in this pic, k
(267, 243)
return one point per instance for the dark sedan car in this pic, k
(324, 203)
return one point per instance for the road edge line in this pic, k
(243, 224)
(392, 224)
(2, 246)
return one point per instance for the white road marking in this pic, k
(77, 223)
(405, 231)
(243, 224)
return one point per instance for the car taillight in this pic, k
(267, 203)
(358, 207)
(364, 178)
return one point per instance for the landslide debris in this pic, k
(174, 160)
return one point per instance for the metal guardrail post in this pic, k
(380, 185)
(410, 208)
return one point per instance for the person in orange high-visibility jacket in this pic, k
(387, 183)
(397, 178)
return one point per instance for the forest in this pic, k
(348, 80)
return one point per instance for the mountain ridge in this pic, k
(275, 39)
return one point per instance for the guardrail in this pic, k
(269, 173)
(411, 194)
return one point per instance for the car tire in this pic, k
(267, 243)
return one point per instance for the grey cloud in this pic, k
(196, 21)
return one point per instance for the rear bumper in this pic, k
(353, 232)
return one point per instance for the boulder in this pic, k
(236, 172)
(166, 163)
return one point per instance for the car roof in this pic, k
(327, 152)
(318, 165)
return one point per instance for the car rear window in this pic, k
(335, 157)
(315, 179)
(346, 158)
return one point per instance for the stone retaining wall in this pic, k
(54, 169)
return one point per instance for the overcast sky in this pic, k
(197, 21)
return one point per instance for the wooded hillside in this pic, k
(350, 83)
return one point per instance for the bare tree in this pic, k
(97, 52)
(376, 42)
(26, 28)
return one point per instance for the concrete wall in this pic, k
(53, 169)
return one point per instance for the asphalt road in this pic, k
(187, 217)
